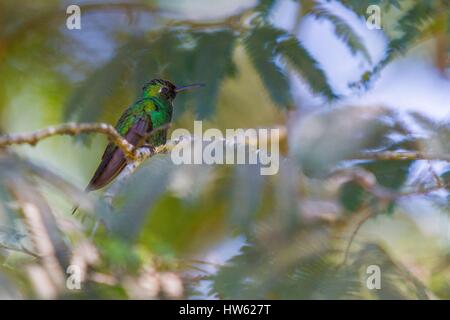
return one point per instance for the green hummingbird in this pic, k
(152, 110)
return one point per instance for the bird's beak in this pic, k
(189, 87)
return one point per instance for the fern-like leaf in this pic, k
(212, 63)
(299, 58)
(264, 7)
(261, 45)
(343, 31)
(410, 25)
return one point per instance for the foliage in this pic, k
(343, 31)
(416, 22)
(308, 232)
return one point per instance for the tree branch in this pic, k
(32, 138)
(11, 240)
(72, 129)
(402, 155)
(233, 22)
(368, 182)
(358, 226)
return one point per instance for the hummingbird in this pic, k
(152, 110)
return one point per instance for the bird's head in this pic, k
(165, 89)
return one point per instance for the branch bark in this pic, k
(402, 155)
(73, 129)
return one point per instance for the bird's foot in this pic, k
(142, 152)
(151, 148)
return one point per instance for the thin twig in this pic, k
(401, 155)
(365, 218)
(368, 182)
(20, 249)
(436, 178)
(233, 22)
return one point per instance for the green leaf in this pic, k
(257, 273)
(264, 7)
(446, 176)
(188, 57)
(141, 192)
(299, 58)
(396, 280)
(389, 173)
(92, 96)
(352, 196)
(390, 208)
(191, 215)
(410, 25)
(260, 45)
(236, 279)
(177, 56)
(343, 31)
(169, 56)
(211, 64)
(245, 195)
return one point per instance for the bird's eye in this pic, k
(164, 90)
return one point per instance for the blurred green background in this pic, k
(310, 67)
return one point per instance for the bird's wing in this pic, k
(113, 160)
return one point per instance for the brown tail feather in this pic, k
(113, 159)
